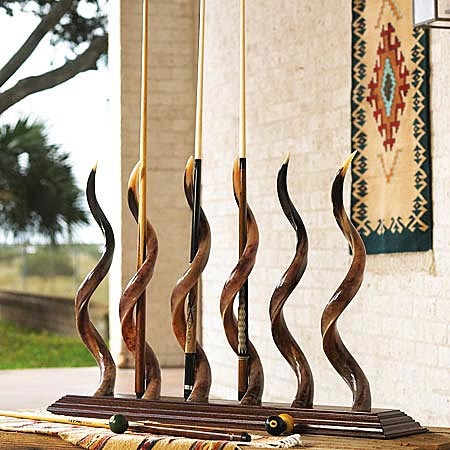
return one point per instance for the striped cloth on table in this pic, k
(101, 439)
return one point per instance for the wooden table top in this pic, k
(437, 439)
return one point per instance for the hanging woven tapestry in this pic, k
(391, 177)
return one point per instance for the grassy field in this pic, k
(49, 270)
(24, 349)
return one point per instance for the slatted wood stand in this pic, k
(379, 424)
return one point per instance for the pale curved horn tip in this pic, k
(94, 167)
(347, 161)
(287, 159)
(189, 169)
(190, 161)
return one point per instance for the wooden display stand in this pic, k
(380, 423)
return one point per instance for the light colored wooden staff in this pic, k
(242, 88)
(191, 309)
(142, 216)
(119, 424)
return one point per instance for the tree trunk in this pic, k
(45, 25)
(84, 61)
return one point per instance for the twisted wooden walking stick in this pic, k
(188, 285)
(86, 329)
(134, 290)
(284, 340)
(334, 348)
(237, 335)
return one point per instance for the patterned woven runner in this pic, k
(391, 184)
(101, 439)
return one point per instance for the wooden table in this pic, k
(437, 439)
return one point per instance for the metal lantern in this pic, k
(431, 13)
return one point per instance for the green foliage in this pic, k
(84, 19)
(47, 262)
(38, 193)
(24, 349)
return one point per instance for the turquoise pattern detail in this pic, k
(388, 86)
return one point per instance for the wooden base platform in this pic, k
(379, 424)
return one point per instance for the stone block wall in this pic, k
(48, 313)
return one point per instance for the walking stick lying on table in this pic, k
(119, 424)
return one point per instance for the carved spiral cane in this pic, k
(232, 286)
(281, 335)
(87, 331)
(334, 348)
(136, 286)
(202, 383)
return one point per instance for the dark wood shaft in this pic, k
(133, 292)
(191, 433)
(139, 380)
(196, 207)
(243, 292)
(184, 286)
(141, 311)
(237, 278)
(191, 310)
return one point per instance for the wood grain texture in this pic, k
(429, 441)
(86, 329)
(325, 420)
(232, 286)
(335, 350)
(202, 383)
(282, 337)
(133, 291)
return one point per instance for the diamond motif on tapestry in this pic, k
(389, 86)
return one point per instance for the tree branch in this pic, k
(84, 61)
(45, 25)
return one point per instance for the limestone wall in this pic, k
(48, 313)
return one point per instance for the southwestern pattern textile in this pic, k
(391, 176)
